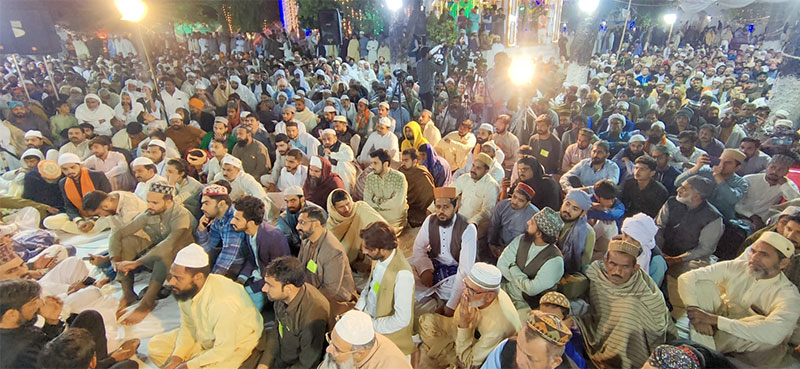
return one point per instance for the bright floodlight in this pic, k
(131, 10)
(521, 71)
(588, 6)
(394, 5)
(670, 18)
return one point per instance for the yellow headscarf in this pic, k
(419, 139)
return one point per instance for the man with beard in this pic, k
(445, 248)
(346, 134)
(546, 146)
(731, 134)
(220, 327)
(688, 153)
(288, 116)
(547, 192)
(355, 344)
(617, 139)
(412, 137)
(168, 227)
(626, 315)
(173, 98)
(213, 167)
(591, 170)
(479, 192)
(381, 139)
(262, 244)
(243, 184)
(157, 152)
(767, 189)
(456, 145)
(483, 141)
(626, 157)
(420, 187)
(509, 219)
(302, 141)
(339, 155)
(216, 233)
(759, 311)
(484, 310)
(282, 146)
(320, 181)
(293, 173)
(708, 143)
(695, 89)
(78, 144)
(35, 140)
(576, 239)
(303, 114)
(327, 267)
(145, 172)
(203, 118)
(302, 314)
(429, 129)
(540, 344)
(643, 193)
(532, 265)
(253, 154)
(755, 160)
(578, 151)
(506, 142)
(386, 190)
(346, 219)
(77, 182)
(729, 187)
(389, 293)
(185, 137)
(22, 118)
(287, 221)
(325, 122)
(656, 137)
(117, 207)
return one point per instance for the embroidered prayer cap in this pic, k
(624, 247)
(671, 357)
(555, 298)
(68, 158)
(780, 243)
(14, 104)
(549, 327)
(142, 161)
(486, 276)
(641, 227)
(49, 169)
(196, 103)
(215, 190)
(355, 327)
(232, 160)
(192, 256)
(580, 197)
(549, 221)
(328, 109)
(33, 152)
(33, 133)
(340, 118)
(159, 143)
(636, 138)
(526, 190)
(444, 193)
(174, 116)
(161, 187)
(486, 127)
(733, 154)
(293, 190)
(315, 162)
(485, 159)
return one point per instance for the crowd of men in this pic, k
(307, 212)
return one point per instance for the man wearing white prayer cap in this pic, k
(355, 344)
(145, 172)
(76, 182)
(244, 184)
(157, 152)
(219, 324)
(339, 153)
(35, 140)
(484, 308)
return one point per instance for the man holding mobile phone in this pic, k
(730, 187)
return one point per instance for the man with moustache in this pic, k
(577, 237)
(253, 154)
(510, 217)
(344, 133)
(282, 147)
(591, 170)
(339, 155)
(506, 141)
(429, 129)
(216, 233)
(766, 190)
(729, 188)
(479, 193)
(420, 187)
(78, 181)
(78, 144)
(146, 173)
(355, 344)
(184, 136)
(219, 324)
(546, 146)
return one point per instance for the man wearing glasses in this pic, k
(355, 344)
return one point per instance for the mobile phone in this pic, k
(713, 161)
(86, 258)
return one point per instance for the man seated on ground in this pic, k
(687, 155)
(386, 190)
(455, 146)
(77, 348)
(579, 150)
(168, 226)
(532, 265)
(41, 185)
(389, 293)
(577, 238)
(110, 162)
(341, 157)
(626, 315)
(146, 173)
(293, 173)
(778, 225)
(301, 140)
(641, 230)
(253, 154)
(626, 158)
(767, 189)
(287, 221)
(262, 244)
(546, 146)
(484, 310)
(219, 324)
(346, 219)
(643, 193)
(444, 250)
(755, 161)
(157, 152)
(588, 171)
(354, 336)
(78, 144)
(381, 138)
(77, 182)
(302, 314)
(35, 140)
(510, 218)
(243, 184)
(187, 189)
(216, 234)
(665, 173)
(185, 137)
(539, 344)
(758, 313)
(479, 193)
(729, 188)
(327, 267)
(282, 147)
(420, 187)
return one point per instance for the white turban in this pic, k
(236, 79)
(643, 229)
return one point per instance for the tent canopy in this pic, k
(694, 6)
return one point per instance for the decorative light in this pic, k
(521, 71)
(588, 6)
(670, 18)
(394, 5)
(131, 10)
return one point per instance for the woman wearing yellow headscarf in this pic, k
(413, 137)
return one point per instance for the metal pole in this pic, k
(50, 74)
(19, 76)
(669, 37)
(147, 56)
(624, 28)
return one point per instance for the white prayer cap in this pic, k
(486, 276)
(142, 161)
(617, 116)
(232, 160)
(641, 227)
(623, 104)
(236, 79)
(658, 124)
(780, 243)
(328, 131)
(68, 158)
(33, 133)
(293, 190)
(385, 122)
(315, 162)
(33, 152)
(636, 138)
(486, 127)
(192, 256)
(783, 122)
(131, 81)
(384, 104)
(159, 143)
(340, 118)
(176, 116)
(328, 109)
(355, 327)
(781, 113)
(221, 120)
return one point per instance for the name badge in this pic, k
(544, 153)
(311, 266)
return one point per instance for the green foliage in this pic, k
(441, 28)
(246, 15)
(369, 16)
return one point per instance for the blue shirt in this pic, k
(588, 176)
(222, 230)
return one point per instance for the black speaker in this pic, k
(330, 27)
(28, 32)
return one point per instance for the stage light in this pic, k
(521, 71)
(131, 10)
(588, 6)
(394, 5)
(670, 18)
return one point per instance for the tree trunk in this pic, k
(784, 91)
(581, 53)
